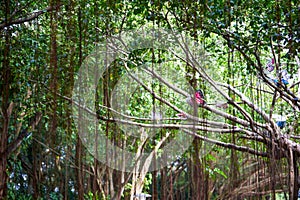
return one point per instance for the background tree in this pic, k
(43, 45)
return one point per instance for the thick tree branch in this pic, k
(24, 133)
(28, 18)
(228, 145)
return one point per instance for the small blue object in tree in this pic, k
(281, 124)
(284, 78)
(280, 120)
(285, 82)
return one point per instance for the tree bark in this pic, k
(6, 73)
(293, 176)
(199, 191)
(79, 170)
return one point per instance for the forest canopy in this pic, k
(158, 99)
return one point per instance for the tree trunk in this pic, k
(79, 170)
(199, 191)
(3, 160)
(293, 176)
(5, 74)
(154, 182)
(163, 183)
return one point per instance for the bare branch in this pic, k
(31, 17)
(228, 145)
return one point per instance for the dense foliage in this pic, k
(237, 151)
